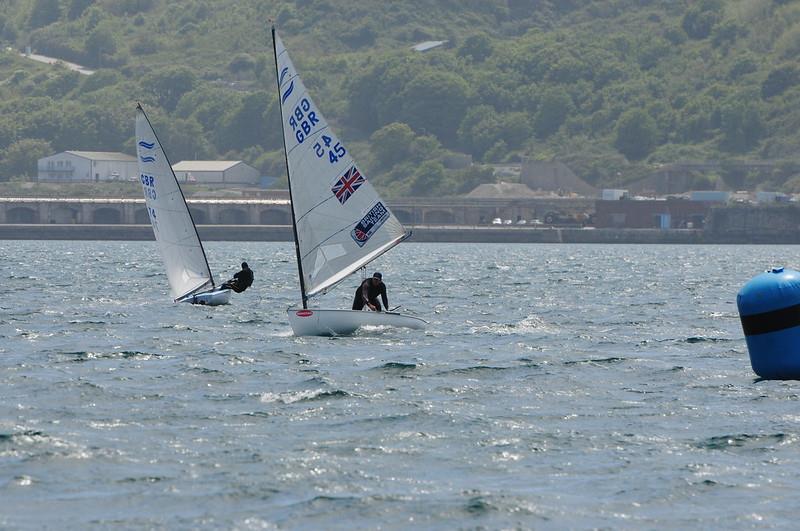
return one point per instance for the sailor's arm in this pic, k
(365, 291)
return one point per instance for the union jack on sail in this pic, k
(348, 184)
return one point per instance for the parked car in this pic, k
(497, 221)
(569, 220)
(507, 222)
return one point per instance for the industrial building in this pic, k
(87, 166)
(216, 172)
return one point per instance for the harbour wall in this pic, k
(420, 233)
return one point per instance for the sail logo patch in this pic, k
(147, 145)
(348, 184)
(369, 224)
(147, 158)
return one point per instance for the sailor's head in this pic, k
(377, 275)
(244, 265)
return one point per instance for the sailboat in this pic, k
(340, 223)
(190, 278)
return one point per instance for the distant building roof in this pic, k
(205, 165)
(103, 155)
(427, 45)
(501, 190)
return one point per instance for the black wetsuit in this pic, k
(368, 291)
(241, 281)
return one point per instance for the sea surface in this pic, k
(557, 386)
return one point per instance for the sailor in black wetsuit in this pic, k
(241, 280)
(367, 294)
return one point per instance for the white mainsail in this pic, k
(176, 235)
(341, 223)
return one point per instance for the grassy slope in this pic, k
(206, 35)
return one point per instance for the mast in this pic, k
(194, 226)
(289, 178)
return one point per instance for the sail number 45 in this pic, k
(334, 153)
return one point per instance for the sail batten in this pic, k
(340, 221)
(313, 208)
(173, 227)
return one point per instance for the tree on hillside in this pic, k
(102, 127)
(59, 85)
(427, 179)
(44, 12)
(742, 125)
(77, 7)
(694, 120)
(464, 181)
(100, 44)
(169, 84)
(99, 80)
(360, 35)
(636, 134)
(700, 18)
(479, 130)
(477, 47)
(8, 134)
(208, 105)
(392, 144)
(435, 102)
(8, 30)
(20, 158)
(186, 140)
(240, 63)
(129, 7)
(780, 80)
(484, 129)
(253, 123)
(373, 95)
(553, 110)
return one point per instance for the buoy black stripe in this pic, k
(774, 321)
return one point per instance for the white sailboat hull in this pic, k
(317, 322)
(214, 297)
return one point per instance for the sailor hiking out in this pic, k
(367, 294)
(241, 280)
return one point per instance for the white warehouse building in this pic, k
(216, 172)
(87, 166)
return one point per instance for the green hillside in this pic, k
(614, 88)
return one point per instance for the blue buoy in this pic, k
(769, 307)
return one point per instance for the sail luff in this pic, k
(289, 179)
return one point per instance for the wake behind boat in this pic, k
(340, 223)
(189, 276)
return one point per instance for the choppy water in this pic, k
(557, 386)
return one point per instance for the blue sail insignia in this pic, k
(147, 145)
(283, 75)
(287, 93)
(148, 159)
